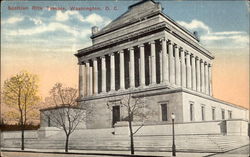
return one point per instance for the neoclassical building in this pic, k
(148, 54)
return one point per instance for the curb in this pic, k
(75, 153)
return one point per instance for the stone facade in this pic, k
(146, 53)
(57, 116)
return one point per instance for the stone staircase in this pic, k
(104, 140)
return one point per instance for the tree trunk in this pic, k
(67, 143)
(22, 143)
(131, 136)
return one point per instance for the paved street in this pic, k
(241, 152)
(96, 154)
(23, 154)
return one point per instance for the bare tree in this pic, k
(20, 93)
(65, 114)
(136, 109)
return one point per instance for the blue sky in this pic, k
(214, 20)
(44, 41)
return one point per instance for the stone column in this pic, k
(153, 62)
(193, 72)
(183, 69)
(202, 77)
(198, 71)
(88, 80)
(95, 83)
(142, 65)
(164, 61)
(81, 89)
(189, 84)
(132, 68)
(210, 79)
(206, 78)
(171, 63)
(112, 72)
(177, 66)
(122, 76)
(103, 74)
(160, 63)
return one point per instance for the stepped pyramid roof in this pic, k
(134, 13)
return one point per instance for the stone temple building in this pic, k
(147, 53)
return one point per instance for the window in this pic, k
(49, 125)
(202, 112)
(164, 112)
(222, 114)
(229, 114)
(213, 113)
(191, 112)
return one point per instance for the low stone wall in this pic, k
(237, 127)
(28, 134)
(228, 127)
(47, 131)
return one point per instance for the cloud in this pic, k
(96, 19)
(194, 25)
(51, 27)
(93, 19)
(248, 5)
(13, 20)
(224, 39)
(36, 21)
(64, 16)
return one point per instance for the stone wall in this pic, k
(28, 134)
(101, 114)
(232, 127)
(198, 100)
(177, 101)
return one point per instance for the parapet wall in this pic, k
(227, 127)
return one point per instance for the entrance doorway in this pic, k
(115, 114)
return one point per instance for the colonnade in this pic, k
(178, 67)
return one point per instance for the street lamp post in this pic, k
(173, 146)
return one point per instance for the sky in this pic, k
(42, 39)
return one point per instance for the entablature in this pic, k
(135, 36)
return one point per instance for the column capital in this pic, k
(163, 39)
(181, 48)
(187, 52)
(86, 61)
(197, 58)
(131, 48)
(209, 65)
(111, 54)
(205, 62)
(177, 46)
(94, 59)
(102, 57)
(151, 42)
(81, 63)
(192, 55)
(141, 45)
(201, 60)
(170, 42)
(121, 51)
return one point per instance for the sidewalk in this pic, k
(110, 153)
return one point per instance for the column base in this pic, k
(112, 91)
(131, 88)
(152, 84)
(121, 89)
(103, 92)
(142, 86)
